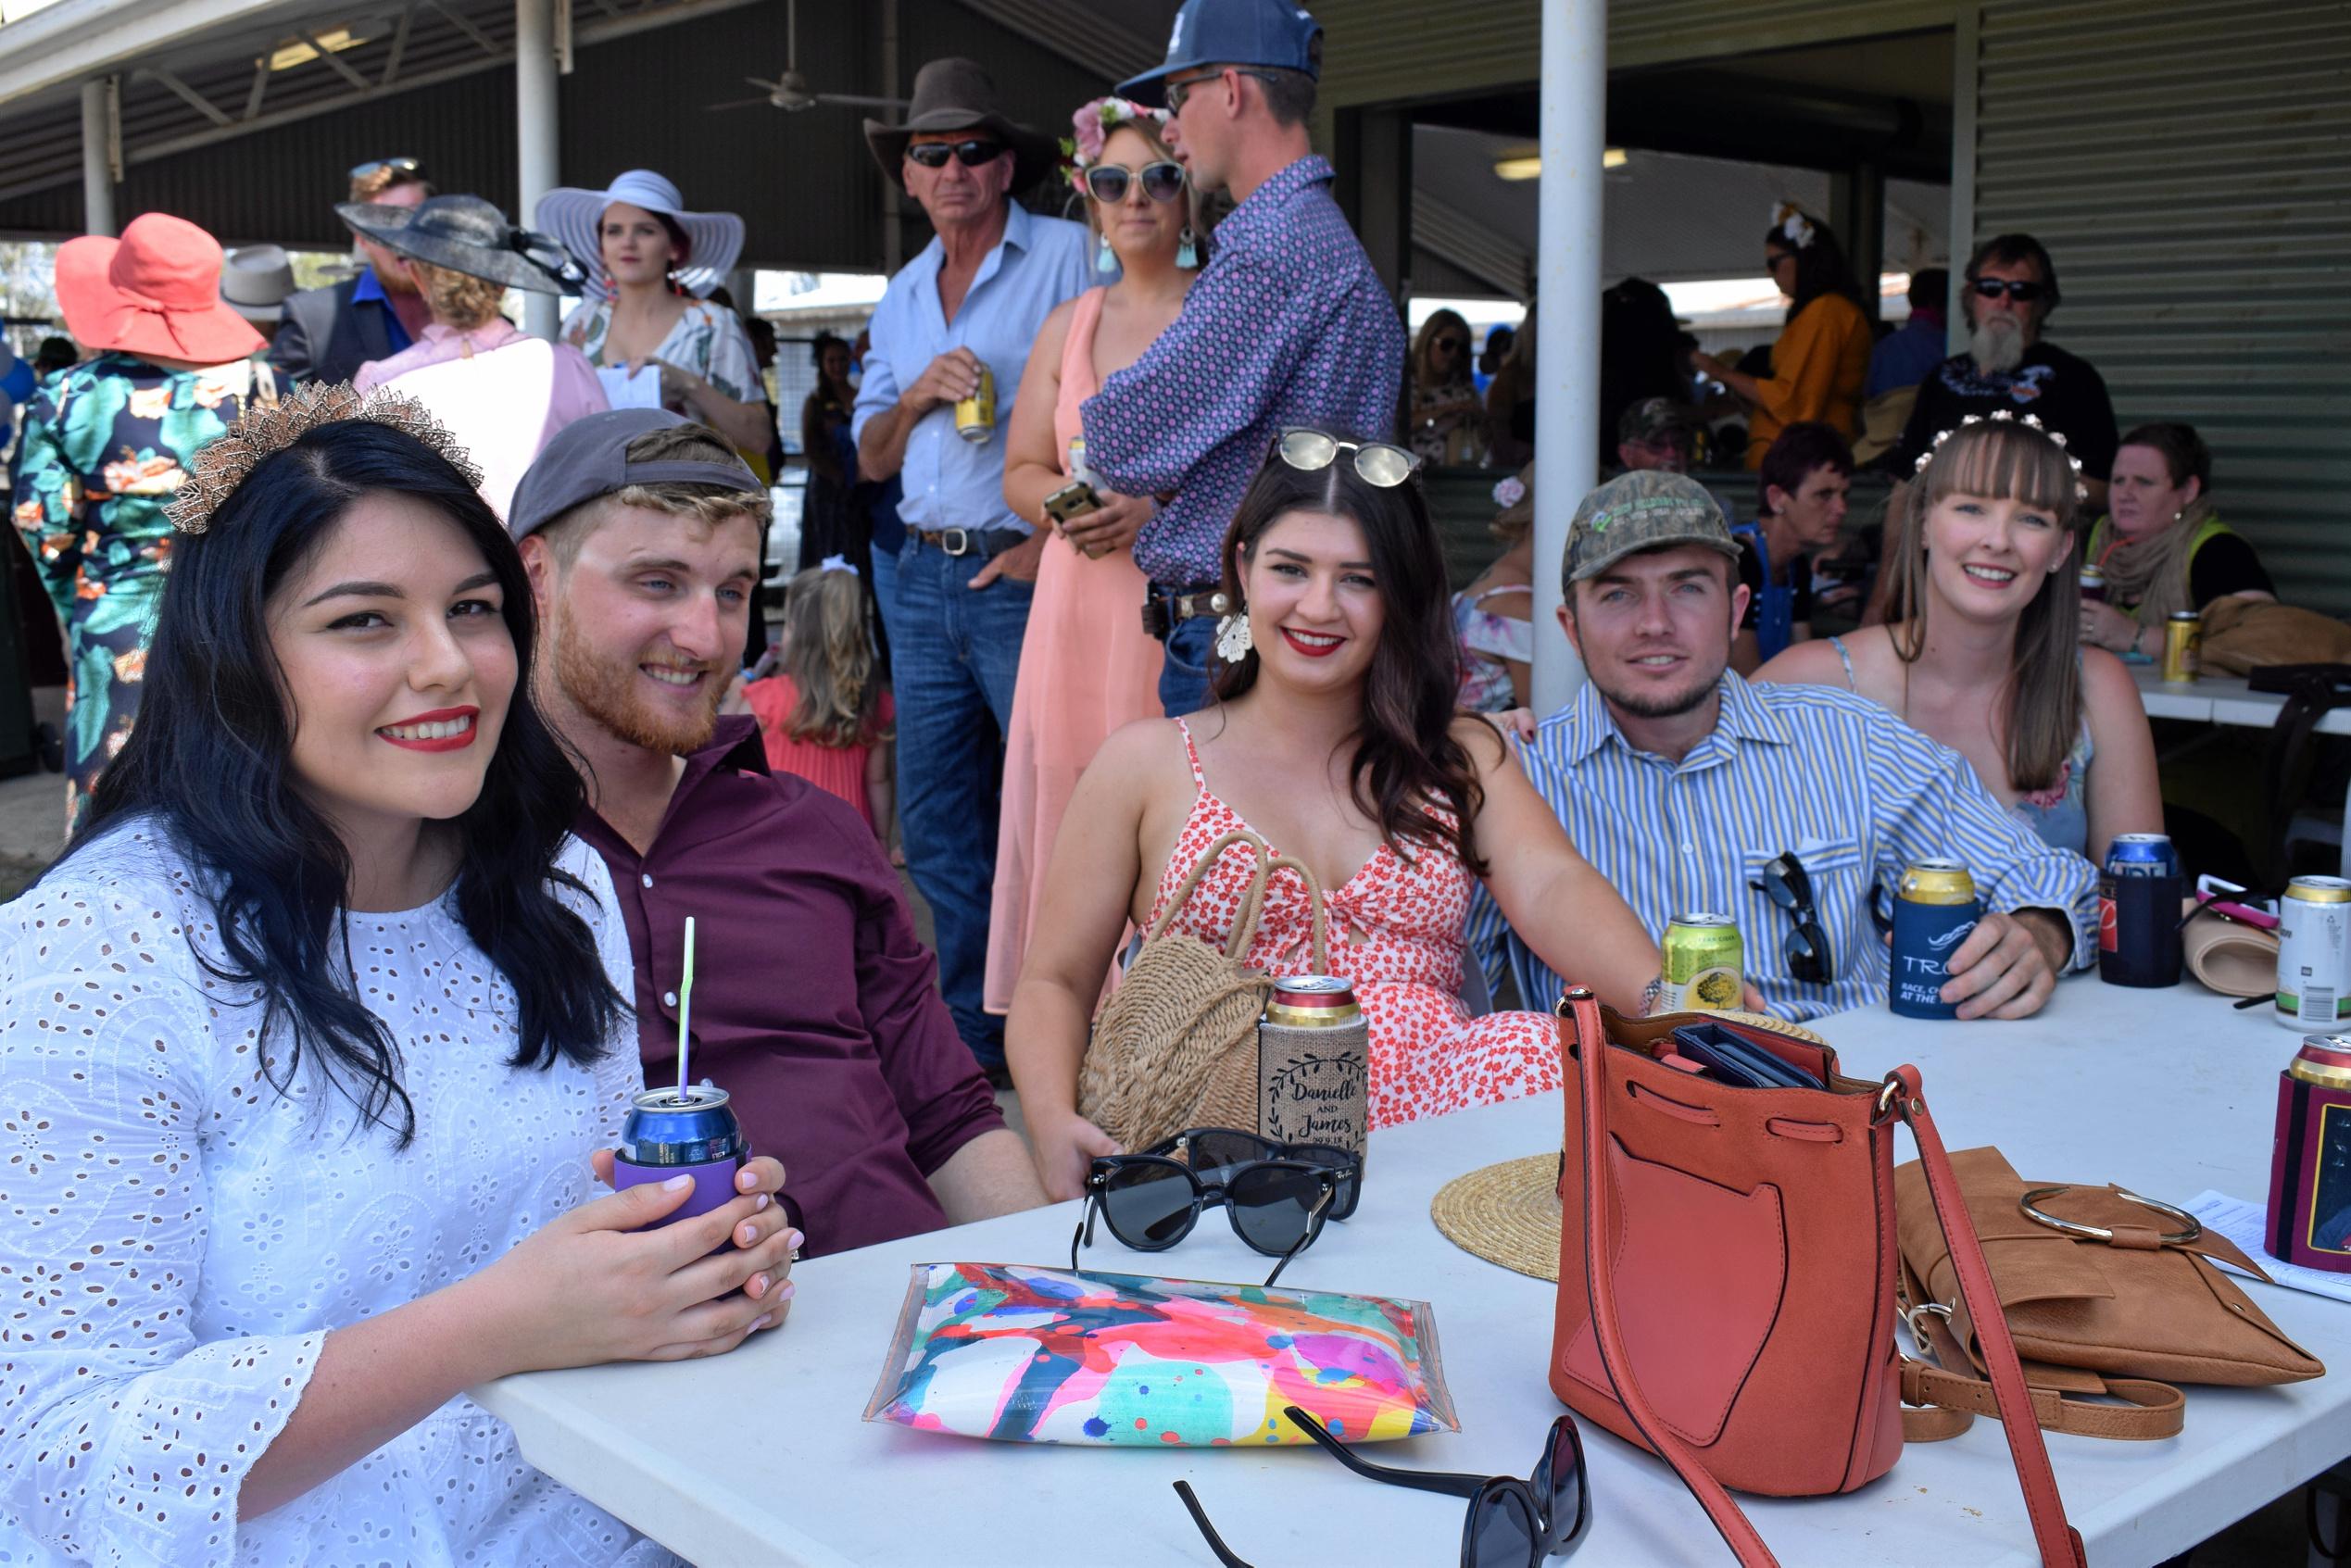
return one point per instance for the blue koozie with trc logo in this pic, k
(1935, 907)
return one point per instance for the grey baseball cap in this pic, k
(1643, 510)
(590, 457)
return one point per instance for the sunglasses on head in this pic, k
(384, 166)
(971, 154)
(1276, 1195)
(1512, 1524)
(1163, 181)
(1805, 947)
(2024, 290)
(1376, 463)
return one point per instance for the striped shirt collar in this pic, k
(1589, 725)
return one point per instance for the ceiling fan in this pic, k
(790, 91)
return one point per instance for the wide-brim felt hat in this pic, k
(155, 291)
(957, 94)
(463, 235)
(714, 240)
(255, 281)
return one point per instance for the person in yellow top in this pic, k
(1822, 354)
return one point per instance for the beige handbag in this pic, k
(1175, 1045)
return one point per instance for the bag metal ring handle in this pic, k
(1917, 1329)
(2193, 1227)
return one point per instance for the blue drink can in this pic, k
(2141, 854)
(1935, 907)
(2139, 892)
(691, 1131)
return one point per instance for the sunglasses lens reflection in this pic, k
(1502, 1533)
(1148, 1204)
(1342, 1202)
(1308, 450)
(1271, 1205)
(1164, 182)
(1211, 1154)
(1384, 466)
(1561, 1480)
(1107, 185)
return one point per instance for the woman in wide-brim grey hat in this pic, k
(957, 94)
(460, 234)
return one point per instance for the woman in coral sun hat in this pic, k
(109, 440)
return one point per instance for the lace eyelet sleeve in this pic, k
(122, 1438)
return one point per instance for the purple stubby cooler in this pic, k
(682, 1132)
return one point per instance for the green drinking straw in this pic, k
(684, 1008)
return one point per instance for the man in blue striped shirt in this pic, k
(1680, 781)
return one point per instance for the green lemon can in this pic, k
(1706, 964)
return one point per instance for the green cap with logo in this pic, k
(1645, 510)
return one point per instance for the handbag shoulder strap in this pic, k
(2060, 1546)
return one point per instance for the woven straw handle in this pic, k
(1252, 903)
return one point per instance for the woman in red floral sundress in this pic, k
(1335, 737)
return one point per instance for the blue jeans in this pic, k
(1183, 670)
(886, 591)
(953, 656)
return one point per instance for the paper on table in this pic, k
(2244, 1223)
(623, 390)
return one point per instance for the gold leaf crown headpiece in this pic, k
(271, 428)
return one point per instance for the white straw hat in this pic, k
(713, 239)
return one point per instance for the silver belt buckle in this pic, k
(955, 542)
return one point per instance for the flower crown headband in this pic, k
(1792, 225)
(1095, 120)
(1999, 417)
(267, 430)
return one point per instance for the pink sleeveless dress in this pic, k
(1395, 930)
(1088, 667)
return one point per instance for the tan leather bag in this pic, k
(2125, 1315)
(2243, 636)
(1174, 1047)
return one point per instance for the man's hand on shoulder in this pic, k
(2009, 964)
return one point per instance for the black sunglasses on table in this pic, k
(1108, 182)
(1512, 1524)
(1805, 947)
(971, 155)
(1276, 1195)
(2024, 290)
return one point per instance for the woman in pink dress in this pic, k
(1336, 738)
(1087, 665)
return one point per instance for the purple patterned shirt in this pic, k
(1287, 325)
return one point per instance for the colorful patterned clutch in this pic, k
(1026, 1354)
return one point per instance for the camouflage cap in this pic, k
(1645, 510)
(1653, 417)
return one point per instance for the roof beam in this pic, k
(188, 94)
(261, 86)
(74, 39)
(399, 46)
(475, 33)
(341, 68)
(1073, 29)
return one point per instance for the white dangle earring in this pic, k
(1233, 639)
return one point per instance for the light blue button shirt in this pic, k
(952, 482)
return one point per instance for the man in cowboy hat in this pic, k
(1287, 325)
(328, 333)
(971, 302)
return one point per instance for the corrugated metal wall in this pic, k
(2189, 167)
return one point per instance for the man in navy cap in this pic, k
(1288, 325)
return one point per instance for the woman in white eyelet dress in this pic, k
(237, 1315)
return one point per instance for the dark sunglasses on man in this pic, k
(1179, 87)
(382, 166)
(1276, 1195)
(1512, 1524)
(2024, 290)
(971, 154)
(1805, 947)
(1108, 184)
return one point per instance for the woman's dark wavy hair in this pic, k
(1822, 267)
(211, 758)
(1406, 758)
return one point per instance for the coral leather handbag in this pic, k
(1734, 1312)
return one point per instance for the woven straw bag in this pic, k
(1175, 1045)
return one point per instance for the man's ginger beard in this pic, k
(606, 692)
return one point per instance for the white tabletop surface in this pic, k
(2220, 699)
(760, 1457)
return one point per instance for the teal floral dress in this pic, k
(105, 444)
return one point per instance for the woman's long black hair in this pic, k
(1822, 267)
(210, 757)
(1406, 758)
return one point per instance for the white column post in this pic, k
(1575, 122)
(98, 159)
(536, 134)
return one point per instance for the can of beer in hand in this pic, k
(2314, 952)
(2182, 639)
(2093, 584)
(1935, 907)
(975, 414)
(1705, 965)
(1313, 1064)
(691, 1131)
(2139, 894)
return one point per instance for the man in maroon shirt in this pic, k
(815, 1006)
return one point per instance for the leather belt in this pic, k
(985, 543)
(1165, 608)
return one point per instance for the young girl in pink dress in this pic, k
(822, 713)
(1087, 665)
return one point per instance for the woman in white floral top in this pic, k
(648, 262)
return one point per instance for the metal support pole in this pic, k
(98, 157)
(1574, 120)
(536, 134)
(893, 204)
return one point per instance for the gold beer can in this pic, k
(2183, 641)
(975, 414)
(1706, 964)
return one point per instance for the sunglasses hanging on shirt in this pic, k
(1805, 947)
(971, 155)
(1108, 184)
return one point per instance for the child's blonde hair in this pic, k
(828, 651)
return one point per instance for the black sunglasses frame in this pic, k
(2024, 290)
(1176, 90)
(1205, 1195)
(971, 155)
(1533, 1497)
(1125, 180)
(1805, 947)
(1193, 1142)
